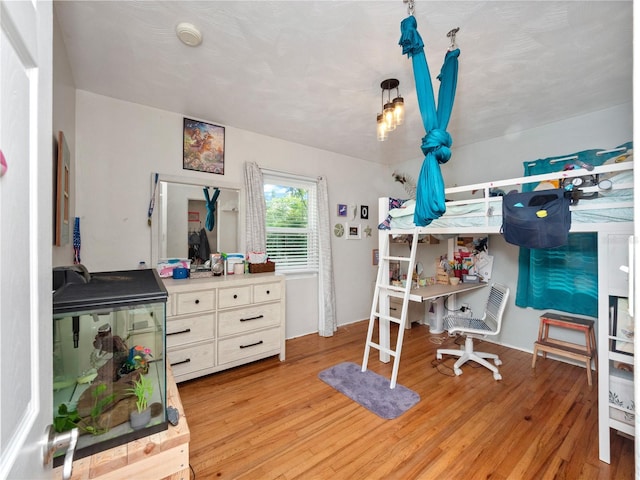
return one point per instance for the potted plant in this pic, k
(142, 390)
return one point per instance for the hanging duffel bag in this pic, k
(539, 219)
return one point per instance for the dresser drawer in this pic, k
(256, 343)
(247, 319)
(190, 329)
(195, 302)
(234, 296)
(266, 292)
(192, 358)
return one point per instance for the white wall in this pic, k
(64, 119)
(120, 144)
(502, 158)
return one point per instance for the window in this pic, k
(291, 223)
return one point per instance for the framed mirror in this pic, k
(179, 226)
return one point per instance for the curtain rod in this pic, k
(293, 176)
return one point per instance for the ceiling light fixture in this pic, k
(392, 112)
(189, 34)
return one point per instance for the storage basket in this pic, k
(269, 266)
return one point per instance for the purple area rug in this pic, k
(370, 390)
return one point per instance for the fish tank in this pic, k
(108, 356)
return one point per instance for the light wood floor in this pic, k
(273, 420)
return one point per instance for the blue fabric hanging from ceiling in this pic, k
(430, 200)
(211, 207)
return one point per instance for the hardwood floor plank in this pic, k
(278, 420)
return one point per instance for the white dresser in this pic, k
(215, 323)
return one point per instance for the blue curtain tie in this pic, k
(437, 141)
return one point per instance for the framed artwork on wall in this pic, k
(342, 210)
(353, 232)
(622, 326)
(63, 178)
(364, 212)
(203, 147)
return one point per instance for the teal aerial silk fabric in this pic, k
(430, 199)
(211, 207)
(563, 278)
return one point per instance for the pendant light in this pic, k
(392, 111)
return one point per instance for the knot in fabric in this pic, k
(410, 40)
(437, 141)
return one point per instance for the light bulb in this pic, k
(382, 129)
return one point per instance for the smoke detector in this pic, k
(189, 34)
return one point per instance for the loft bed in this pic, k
(476, 209)
(606, 208)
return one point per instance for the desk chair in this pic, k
(489, 324)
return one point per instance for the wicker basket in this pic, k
(262, 267)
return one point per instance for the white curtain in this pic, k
(327, 323)
(255, 228)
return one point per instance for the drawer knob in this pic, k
(252, 344)
(235, 296)
(197, 301)
(268, 292)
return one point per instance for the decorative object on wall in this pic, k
(203, 147)
(76, 241)
(364, 212)
(194, 216)
(353, 211)
(63, 178)
(392, 112)
(152, 202)
(407, 182)
(338, 230)
(367, 231)
(375, 257)
(3, 164)
(353, 232)
(342, 210)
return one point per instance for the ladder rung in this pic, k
(392, 288)
(387, 317)
(382, 349)
(399, 259)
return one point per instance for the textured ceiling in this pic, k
(310, 71)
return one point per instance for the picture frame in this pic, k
(63, 192)
(364, 212)
(202, 147)
(622, 325)
(353, 231)
(193, 216)
(375, 257)
(342, 210)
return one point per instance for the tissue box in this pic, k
(232, 259)
(621, 394)
(165, 267)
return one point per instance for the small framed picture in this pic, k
(622, 327)
(364, 212)
(193, 216)
(342, 210)
(353, 232)
(375, 257)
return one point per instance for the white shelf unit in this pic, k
(613, 383)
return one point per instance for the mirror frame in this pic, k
(196, 182)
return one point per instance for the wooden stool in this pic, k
(584, 353)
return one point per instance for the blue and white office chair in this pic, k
(489, 324)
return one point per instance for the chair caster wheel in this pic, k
(497, 376)
(497, 361)
(439, 356)
(457, 371)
